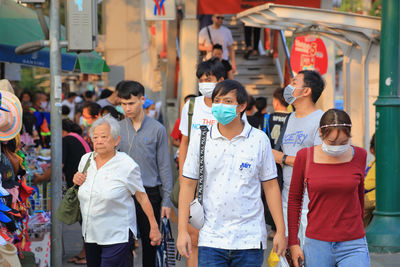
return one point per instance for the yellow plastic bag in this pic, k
(273, 259)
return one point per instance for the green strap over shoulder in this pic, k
(190, 115)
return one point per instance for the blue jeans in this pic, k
(216, 257)
(353, 253)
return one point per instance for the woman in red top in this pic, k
(333, 174)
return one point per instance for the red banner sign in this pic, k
(236, 6)
(309, 53)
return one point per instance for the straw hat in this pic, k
(10, 115)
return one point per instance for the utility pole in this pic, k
(383, 234)
(56, 146)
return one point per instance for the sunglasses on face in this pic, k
(219, 17)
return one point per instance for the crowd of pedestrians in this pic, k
(240, 167)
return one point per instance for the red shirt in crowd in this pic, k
(336, 192)
(176, 133)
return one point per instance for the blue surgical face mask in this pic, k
(288, 94)
(224, 113)
(120, 109)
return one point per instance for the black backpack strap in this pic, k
(209, 35)
(282, 133)
(203, 138)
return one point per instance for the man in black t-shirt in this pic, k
(217, 52)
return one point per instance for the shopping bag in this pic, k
(273, 259)
(69, 211)
(165, 256)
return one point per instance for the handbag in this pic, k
(165, 256)
(69, 210)
(196, 217)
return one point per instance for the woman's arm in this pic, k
(295, 204)
(155, 235)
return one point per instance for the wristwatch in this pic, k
(284, 159)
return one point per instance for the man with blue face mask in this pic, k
(301, 131)
(238, 161)
(208, 73)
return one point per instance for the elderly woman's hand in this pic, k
(155, 236)
(79, 178)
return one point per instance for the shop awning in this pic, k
(19, 25)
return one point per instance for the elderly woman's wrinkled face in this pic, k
(103, 142)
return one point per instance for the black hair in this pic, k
(217, 46)
(25, 93)
(313, 80)
(105, 93)
(65, 110)
(37, 96)
(130, 88)
(29, 121)
(88, 94)
(372, 143)
(94, 109)
(260, 103)
(335, 116)
(212, 67)
(278, 94)
(110, 110)
(226, 86)
(189, 96)
(70, 126)
(250, 102)
(71, 94)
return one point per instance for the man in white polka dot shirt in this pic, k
(238, 160)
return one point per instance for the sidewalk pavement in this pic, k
(73, 243)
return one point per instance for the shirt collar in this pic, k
(215, 133)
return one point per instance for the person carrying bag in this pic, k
(69, 210)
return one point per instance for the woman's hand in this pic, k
(79, 178)
(155, 236)
(296, 254)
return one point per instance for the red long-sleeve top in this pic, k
(336, 192)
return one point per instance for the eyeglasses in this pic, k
(219, 17)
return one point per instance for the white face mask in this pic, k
(43, 105)
(206, 89)
(335, 151)
(152, 113)
(288, 94)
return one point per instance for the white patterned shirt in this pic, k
(107, 206)
(234, 170)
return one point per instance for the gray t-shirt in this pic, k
(300, 133)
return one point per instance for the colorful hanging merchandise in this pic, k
(14, 191)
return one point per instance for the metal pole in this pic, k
(383, 234)
(282, 34)
(56, 146)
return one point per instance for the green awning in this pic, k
(19, 25)
(91, 63)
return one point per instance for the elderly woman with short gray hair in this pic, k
(105, 196)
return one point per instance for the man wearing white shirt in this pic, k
(238, 160)
(219, 35)
(208, 73)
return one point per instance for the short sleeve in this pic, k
(183, 126)
(176, 133)
(202, 36)
(191, 165)
(229, 38)
(134, 181)
(268, 166)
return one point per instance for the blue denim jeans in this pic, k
(216, 257)
(353, 253)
